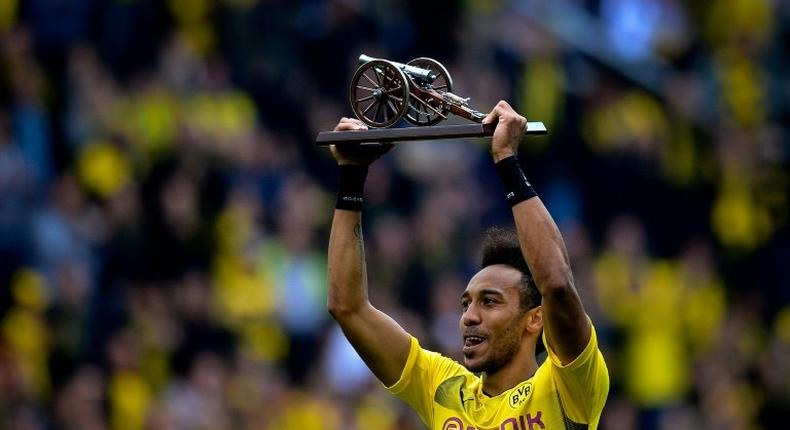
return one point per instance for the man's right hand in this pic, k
(357, 154)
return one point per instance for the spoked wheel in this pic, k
(379, 93)
(425, 111)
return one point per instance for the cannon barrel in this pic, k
(416, 72)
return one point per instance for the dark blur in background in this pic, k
(164, 212)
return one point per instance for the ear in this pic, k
(534, 320)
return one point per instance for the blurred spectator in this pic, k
(665, 311)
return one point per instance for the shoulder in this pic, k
(429, 368)
(581, 385)
(590, 354)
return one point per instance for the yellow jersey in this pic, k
(447, 396)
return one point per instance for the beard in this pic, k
(501, 351)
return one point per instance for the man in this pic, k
(506, 307)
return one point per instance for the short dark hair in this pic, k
(500, 246)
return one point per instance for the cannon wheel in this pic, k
(420, 114)
(379, 93)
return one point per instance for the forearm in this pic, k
(540, 239)
(347, 273)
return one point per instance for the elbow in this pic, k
(342, 309)
(338, 311)
(343, 314)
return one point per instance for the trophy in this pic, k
(383, 92)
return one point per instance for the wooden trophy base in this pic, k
(385, 135)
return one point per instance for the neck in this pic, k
(519, 369)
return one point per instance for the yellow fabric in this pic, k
(29, 290)
(654, 356)
(447, 396)
(150, 124)
(681, 162)
(542, 93)
(730, 20)
(130, 397)
(25, 333)
(783, 324)
(656, 366)
(23, 330)
(634, 121)
(738, 221)
(307, 412)
(374, 412)
(103, 168)
(190, 11)
(8, 13)
(224, 116)
(705, 308)
(743, 94)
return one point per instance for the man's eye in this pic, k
(464, 305)
(489, 301)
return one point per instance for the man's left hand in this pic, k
(509, 130)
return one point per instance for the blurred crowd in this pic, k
(164, 211)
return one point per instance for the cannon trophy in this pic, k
(383, 92)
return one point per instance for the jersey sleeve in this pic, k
(582, 384)
(422, 374)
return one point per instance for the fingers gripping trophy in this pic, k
(522, 299)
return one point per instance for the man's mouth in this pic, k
(472, 342)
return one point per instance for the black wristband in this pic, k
(351, 186)
(516, 184)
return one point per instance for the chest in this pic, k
(525, 407)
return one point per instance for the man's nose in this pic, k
(471, 316)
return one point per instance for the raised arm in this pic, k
(379, 340)
(565, 322)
